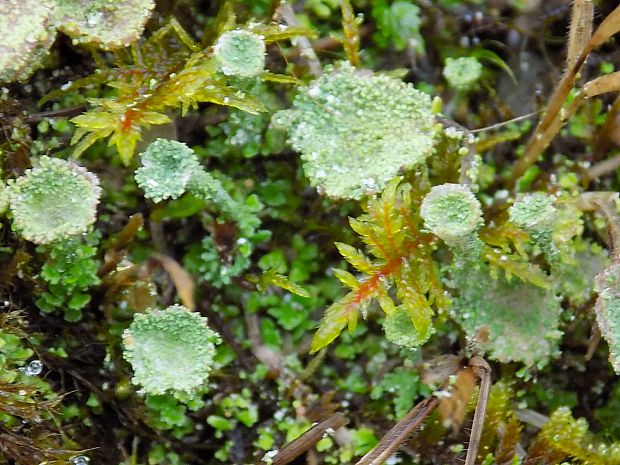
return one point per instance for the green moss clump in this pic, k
(356, 130)
(55, 200)
(170, 350)
(240, 53)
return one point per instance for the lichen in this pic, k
(167, 167)
(451, 212)
(55, 200)
(607, 307)
(356, 130)
(27, 35)
(240, 53)
(522, 319)
(170, 350)
(102, 23)
(462, 73)
(535, 213)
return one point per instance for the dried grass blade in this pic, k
(603, 84)
(307, 440)
(399, 433)
(580, 29)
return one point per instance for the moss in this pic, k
(55, 200)
(356, 130)
(170, 350)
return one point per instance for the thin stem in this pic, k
(399, 433)
(483, 371)
(307, 440)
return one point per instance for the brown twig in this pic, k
(307, 440)
(399, 433)
(483, 371)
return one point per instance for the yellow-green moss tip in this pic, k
(27, 34)
(356, 130)
(451, 212)
(462, 73)
(103, 23)
(240, 53)
(167, 167)
(170, 350)
(55, 200)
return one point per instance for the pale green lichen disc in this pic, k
(57, 199)
(451, 212)
(170, 350)
(240, 53)
(607, 308)
(356, 130)
(462, 73)
(27, 31)
(104, 23)
(522, 320)
(167, 167)
(533, 211)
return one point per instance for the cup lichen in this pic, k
(356, 130)
(170, 350)
(240, 53)
(54, 200)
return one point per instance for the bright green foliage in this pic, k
(170, 350)
(399, 25)
(105, 24)
(240, 53)
(522, 319)
(391, 229)
(403, 385)
(55, 200)
(170, 72)
(608, 310)
(462, 73)
(167, 167)
(27, 34)
(70, 270)
(452, 213)
(356, 130)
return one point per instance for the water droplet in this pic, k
(80, 460)
(34, 368)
